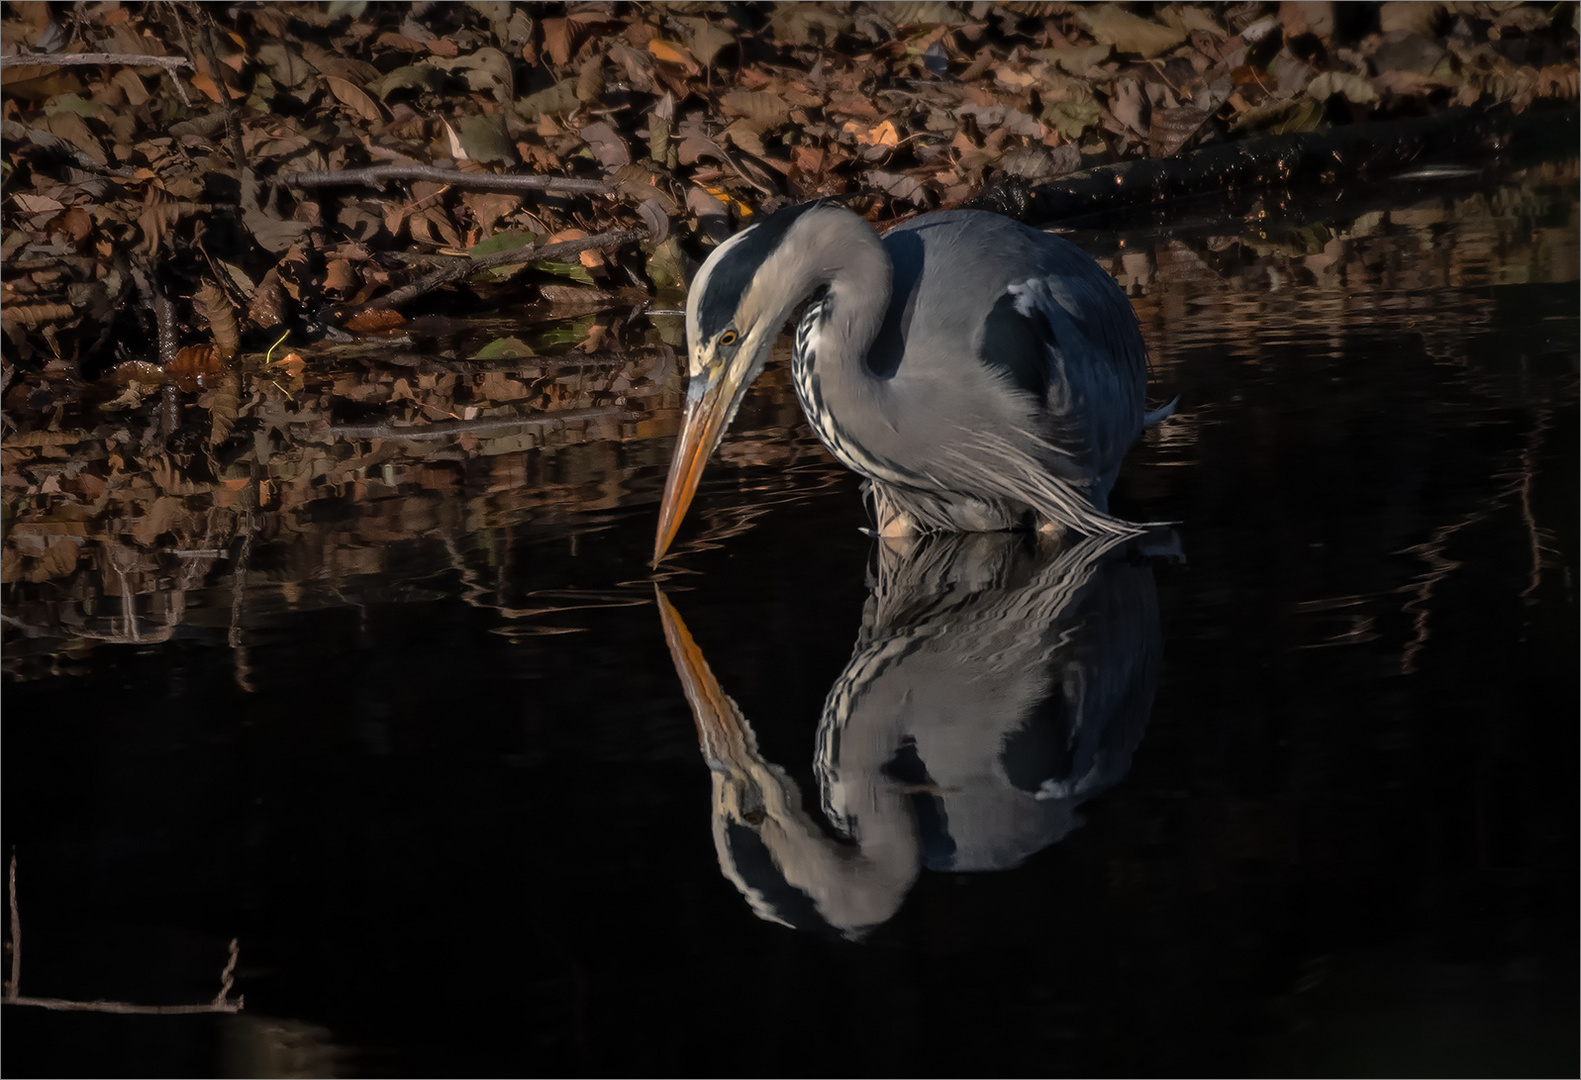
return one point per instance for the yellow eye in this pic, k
(727, 338)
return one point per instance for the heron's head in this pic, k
(735, 310)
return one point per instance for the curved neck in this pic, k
(833, 249)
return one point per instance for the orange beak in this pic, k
(708, 413)
(720, 729)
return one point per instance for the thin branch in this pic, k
(169, 63)
(377, 175)
(445, 429)
(12, 987)
(457, 270)
(205, 31)
(67, 1005)
(228, 977)
(221, 1003)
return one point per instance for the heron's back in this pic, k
(961, 302)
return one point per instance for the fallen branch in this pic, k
(445, 429)
(1372, 150)
(457, 270)
(377, 175)
(222, 1003)
(169, 63)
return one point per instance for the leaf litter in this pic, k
(187, 318)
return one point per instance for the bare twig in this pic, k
(171, 64)
(376, 175)
(228, 976)
(221, 1003)
(68, 1005)
(165, 319)
(233, 127)
(445, 429)
(457, 270)
(12, 988)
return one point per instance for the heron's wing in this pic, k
(1070, 340)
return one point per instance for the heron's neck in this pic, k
(849, 265)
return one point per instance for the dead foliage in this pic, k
(151, 149)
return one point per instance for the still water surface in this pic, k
(1290, 790)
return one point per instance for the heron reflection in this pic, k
(998, 681)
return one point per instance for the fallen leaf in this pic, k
(354, 99)
(762, 108)
(504, 348)
(192, 367)
(222, 412)
(215, 307)
(609, 149)
(669, 52)
(1353, 87)
(1128, 33)
(882, 135)
(367, 322)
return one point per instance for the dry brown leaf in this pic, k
(35, 314)
(557, 40)
(354, 99)
(1128, 33)
(766, 110)
(194, 366)
(669, 52)
(216, 308)
(340, 278)
(367, 322)
(222, 413)
(75, 222)
(882, 135)
(38, 204)
(268, 307)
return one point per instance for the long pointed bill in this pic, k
(703, 424)
(721, 729)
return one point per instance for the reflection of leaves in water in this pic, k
(347, 465)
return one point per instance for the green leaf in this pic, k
(508, 240)
(569, 333)
(73, 104)
(573, 270)
(504, 348)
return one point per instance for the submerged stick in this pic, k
(1375, 150)
(461, 268)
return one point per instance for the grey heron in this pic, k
(975, 371)
(998, 682)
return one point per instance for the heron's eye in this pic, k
(727, 338)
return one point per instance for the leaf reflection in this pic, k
(998, 682)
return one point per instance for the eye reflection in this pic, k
(999, 681)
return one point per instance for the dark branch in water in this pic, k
(445, 429)
(1373, 150)
(455, 271)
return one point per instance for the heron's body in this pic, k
(978, 373)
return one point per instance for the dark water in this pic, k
(1295, 793)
